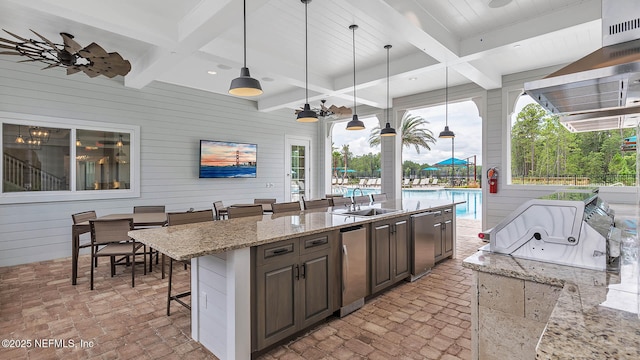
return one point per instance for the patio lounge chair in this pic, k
(424, 182)
(415, 182)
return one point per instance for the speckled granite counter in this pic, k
(596, 313)
(183, 242)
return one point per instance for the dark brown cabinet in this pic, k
(443, 226)
(293, 286)
(389, 252)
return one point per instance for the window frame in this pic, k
(73, 194)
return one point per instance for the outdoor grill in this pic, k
(574, 227)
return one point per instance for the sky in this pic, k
(463, 120)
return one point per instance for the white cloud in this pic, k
(463, 121)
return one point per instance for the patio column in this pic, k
(391, 158)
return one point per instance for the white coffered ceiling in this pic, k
(180, 41)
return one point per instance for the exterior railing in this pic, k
(576, 180)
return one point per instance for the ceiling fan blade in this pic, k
(90, 72)
(16, 36)
(7, 47)
(50, 66)
(93, 50)
(73, 69)
(9, 53)
(10, 41)
(53, 46)
(69, 44)
(342, 110)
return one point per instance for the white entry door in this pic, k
(297, 165)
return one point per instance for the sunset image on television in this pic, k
(220, 159)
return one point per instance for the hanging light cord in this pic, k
(306, 54)
(446, 97)
(388, 47)
(354, 68)
(244, 17)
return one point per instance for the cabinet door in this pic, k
(381, 256)
(401, 249)
(447, 237)
(276, 289)
(437, 240)
(314, 301)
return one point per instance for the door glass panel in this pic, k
(298, 181)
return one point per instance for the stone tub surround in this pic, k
(595, 315)
(184, 242)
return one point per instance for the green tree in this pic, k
(413, 130)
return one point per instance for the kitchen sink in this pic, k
(370, 212)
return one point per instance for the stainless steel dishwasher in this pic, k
(422, 244)
(354, 268)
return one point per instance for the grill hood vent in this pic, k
(601, 91)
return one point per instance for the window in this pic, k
(63, 160)
(544, 152)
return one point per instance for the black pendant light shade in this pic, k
(446, 133)
(355, 123)
(388, 130)
(306, 115)
(245, 85)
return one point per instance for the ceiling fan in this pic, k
(93, 60)
(331, 110)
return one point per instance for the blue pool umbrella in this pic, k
(348, 170)
(431, 168)
(447, 162)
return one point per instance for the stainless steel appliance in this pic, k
(573, 228)
(422, 244)
(354, 268)
(600, 91)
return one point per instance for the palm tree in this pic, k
(413, 132)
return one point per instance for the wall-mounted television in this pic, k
(224, 159)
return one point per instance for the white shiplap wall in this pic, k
(172, 120)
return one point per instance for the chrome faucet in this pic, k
(354, 198)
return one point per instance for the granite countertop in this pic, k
(183, 242)
(596, 315)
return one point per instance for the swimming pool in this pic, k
(471, 209)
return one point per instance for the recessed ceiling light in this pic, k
(516, 46)
(224, 67)
(498, 3)
(413, 78)
(211, 72)
(266, 79)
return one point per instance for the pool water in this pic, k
(471, 209)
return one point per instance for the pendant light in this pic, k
(354, 124)
(446, 133)
(306, 115)
(19, 138)
(245, 85)
(388, 130)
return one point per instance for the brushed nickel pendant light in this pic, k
(245, 85)
(354, 124)
(388, 130)
(446, 133)
(306, 115)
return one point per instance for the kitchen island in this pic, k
(526, 309)
(224, 256)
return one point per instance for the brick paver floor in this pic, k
(46, 317)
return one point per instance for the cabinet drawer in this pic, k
(281, 250)
(314, 243)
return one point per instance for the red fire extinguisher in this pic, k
(492, 176)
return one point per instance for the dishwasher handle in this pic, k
(345, 267)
